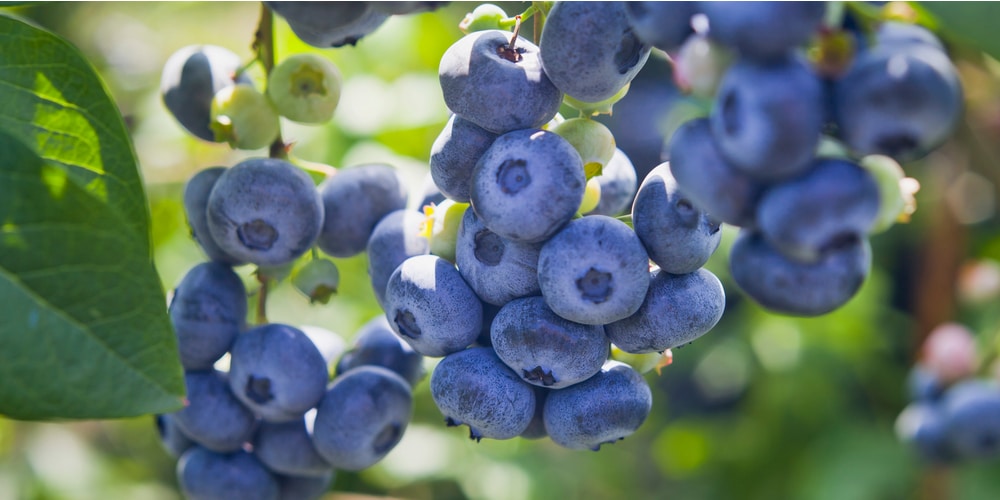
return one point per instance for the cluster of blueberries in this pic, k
(753, 162)
(273, 424)
(273, 410)
(543, 281)
(519, 274)
(954, 415)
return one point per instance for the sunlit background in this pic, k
(762, 407)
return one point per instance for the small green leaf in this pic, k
(627, 219)
(970, 22)
(593, 169)
(85, 332)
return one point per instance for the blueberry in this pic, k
(431, 307)
(603, 409)
(214, 417)
(833, 201)
(678, 236)
(545, 349)
(354, 200)
(191, 76)
(330, 24)
(763, 30)
(265, 211)
(196, 192)
(528, 185)
(394, 239)
(678, 309)
(664, 25)
(207, 475)
(594, 271)
(924, 426)
(362, 417)
(924, 385)
(899, 100)
(892, 32)
(708, 178)
(276, 371)
(769, 117)
(972, 417)
(376, 344)
(792, 287)
(589, 50)
(208, 309)
(474, 388)
(618, 181)
(174, 440)
(497, 269)
(498, 89)
(287, 447)
(454, 155)
(303, 487)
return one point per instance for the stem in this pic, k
(540, 13)
(513, 36)
(262, 301)
(536, 29)
(508, 51)
(264, 45)
(835, 12)
(509, 22)
(245, 67)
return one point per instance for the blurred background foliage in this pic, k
(763, 407)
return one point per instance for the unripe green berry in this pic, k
(305, 88)
(441, 227)
(484, 17)
(596, 108)
(318, 280)
(594, 142)
(591, 196)
(643, 363)
(895, 202)
(244, 118)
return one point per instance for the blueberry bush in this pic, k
(300, 250)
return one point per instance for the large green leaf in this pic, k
(970, 22)
(84, 332)
(52, 100)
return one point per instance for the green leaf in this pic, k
(85, 332)
(53, 101)
(971, 22)
(593, 169)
